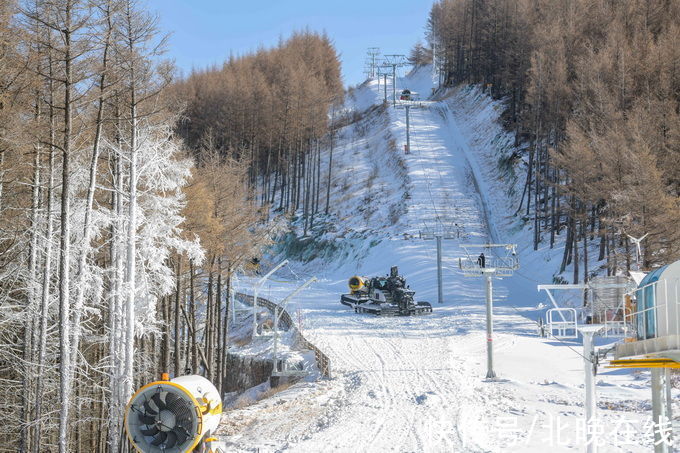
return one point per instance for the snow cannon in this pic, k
(358, 284)
(383, 296)
(175, 416)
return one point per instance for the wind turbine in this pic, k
(638, 251)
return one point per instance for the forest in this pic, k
(269, 111)
(592, 92)
(126, 206)
(131, 196)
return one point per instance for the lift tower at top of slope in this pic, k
(371, 62)
(503, 264)
(395, 61)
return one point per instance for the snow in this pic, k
(417, 384)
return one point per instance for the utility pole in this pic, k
(394, 61)
(499, 261)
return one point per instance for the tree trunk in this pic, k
(46, 279)
(87, 228)
(65, 248)
(192, 320)
(178, 292)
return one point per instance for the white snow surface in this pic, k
(411, 384)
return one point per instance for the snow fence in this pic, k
(286, 321)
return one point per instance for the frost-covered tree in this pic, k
(160, 173)
(419, 55)
(96, 216)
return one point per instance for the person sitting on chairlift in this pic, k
(481, 260)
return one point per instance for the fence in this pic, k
(286, 321)
(567, 327)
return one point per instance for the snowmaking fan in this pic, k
(173, 416)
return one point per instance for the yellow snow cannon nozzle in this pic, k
(356, 284)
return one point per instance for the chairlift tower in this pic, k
(394, 61)
(590, 359)
(383, 71)
(372, 61)
(503, 263)
(407, 105)
(439, 235)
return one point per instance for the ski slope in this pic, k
(417, 384)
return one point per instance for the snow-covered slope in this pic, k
(417, 384)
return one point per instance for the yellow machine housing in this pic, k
(357, 284)
(174, 416)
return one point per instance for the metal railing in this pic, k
(323, 362)
(616, 327)
(566, 327)
(503, 266)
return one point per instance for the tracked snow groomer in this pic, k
(386, 296)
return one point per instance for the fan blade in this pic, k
(171, 440)
(181, 434)
(170, 398)
(147, 419)
(159, 402)
(149, 409)
(160, 439)
(150, 432)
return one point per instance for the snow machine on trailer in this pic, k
(383, 296)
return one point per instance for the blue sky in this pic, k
(205, 32)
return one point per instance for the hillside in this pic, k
(417, 383)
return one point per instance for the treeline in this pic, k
(117, 246)
(593, 91)
(271, 111)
